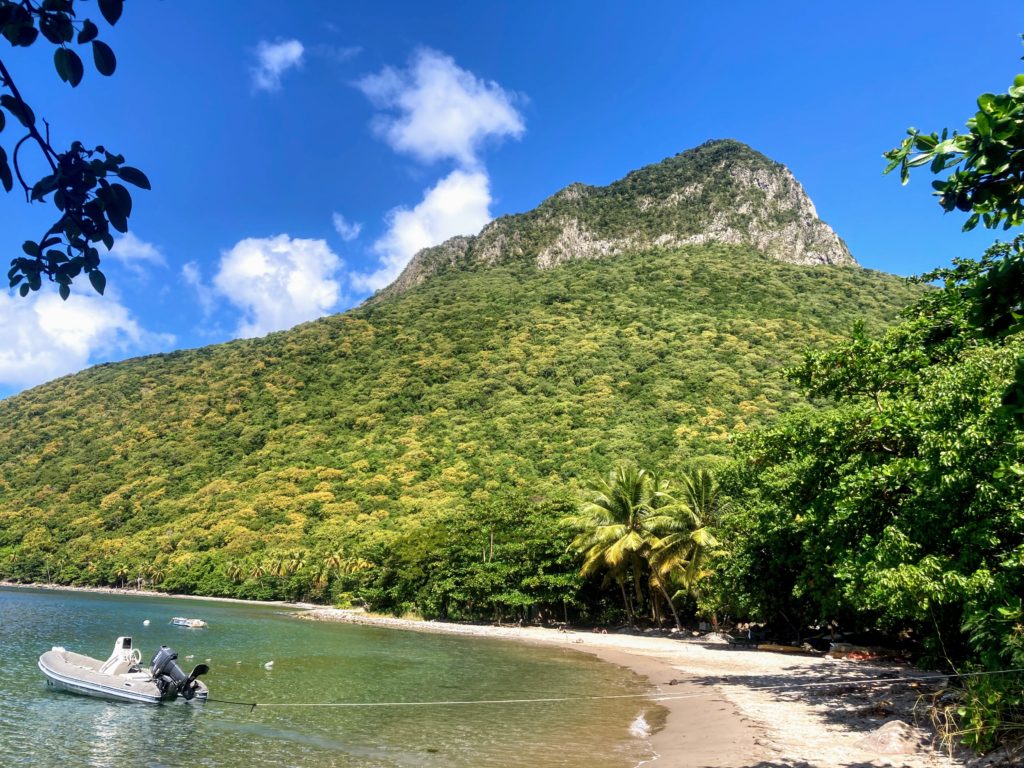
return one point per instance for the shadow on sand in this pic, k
(859, 696)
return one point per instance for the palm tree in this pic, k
(338, 562)
(235, 571)
(157, 573)
(614, 532)
(321, 573)
(275, 566)
(121, 575)
(293, 563)
(685, 533)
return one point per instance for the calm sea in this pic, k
(314, 663)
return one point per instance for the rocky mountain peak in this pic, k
(722, 191)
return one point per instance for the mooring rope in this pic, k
(648, 695)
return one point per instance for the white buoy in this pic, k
(269, 665)
(145, 623)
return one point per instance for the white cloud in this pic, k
(46, 337)
(336, 53)
(443, 111)
(136, 253)
(204, 294)
(273, 60)
(278, 282)
(436, 111)
(347, 230)
(459, 204)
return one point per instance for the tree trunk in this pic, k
(668, 599)
(626, 602)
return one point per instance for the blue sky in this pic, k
(300, 152)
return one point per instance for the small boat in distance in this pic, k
(178, 621)
(121, 677)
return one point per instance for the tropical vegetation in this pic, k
(646, 539)
(435, 439)
(896, 503)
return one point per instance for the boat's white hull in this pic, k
(136, 688)
(188, 623)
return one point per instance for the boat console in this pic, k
(124, 658)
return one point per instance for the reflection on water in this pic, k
(313, 663)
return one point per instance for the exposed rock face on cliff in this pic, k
(721, 191)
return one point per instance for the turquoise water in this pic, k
(314, 663)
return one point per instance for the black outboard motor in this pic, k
(170, 679)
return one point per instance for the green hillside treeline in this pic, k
(416, 453)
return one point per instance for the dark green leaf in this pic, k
(124, 199)
(118, 221)
(69, 66)
(22, 111)
(31, 248)
(65, 291)
(110, 203)
(111, 10)
(27, 36)
(6, 180)
(50, 30)
(134, 176)
(103, 57)
(98, 280)
(24, 290)
(115, 213)
(981, 122)
(88, 33)
(43, 187)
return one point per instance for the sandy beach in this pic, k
(731, 707)
(726, 706)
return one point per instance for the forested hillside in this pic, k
(354, 452)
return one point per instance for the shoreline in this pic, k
(740, 708)
(129, 592)
(725, 707)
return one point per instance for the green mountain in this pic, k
(463, 408)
